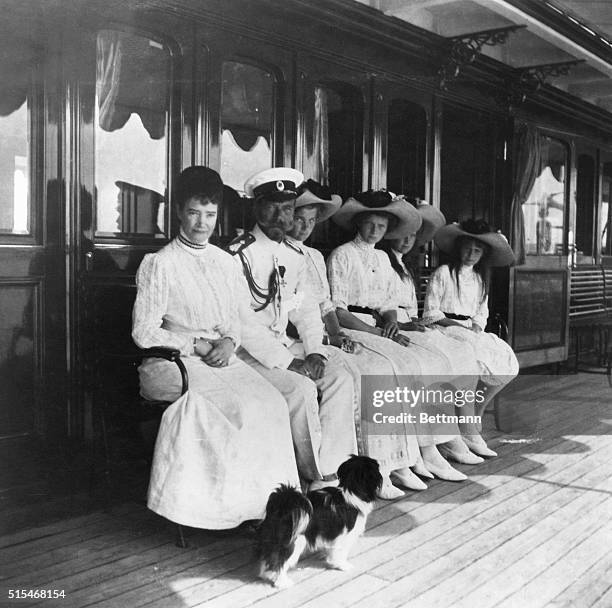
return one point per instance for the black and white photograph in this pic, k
(306, 303)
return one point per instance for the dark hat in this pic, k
(198, 181)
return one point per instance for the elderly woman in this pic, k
(214, 463)
(458, 301)
(460, 358)
(363, 292)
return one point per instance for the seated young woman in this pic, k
(362, 289)
(461, 361)
(457, 300)
(214, 464)
(365, 353)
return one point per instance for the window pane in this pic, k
(333, 153)
(606, 210)
(407, 130)
(14, 170)
(247, 122)
(131, 131)
(544, 209)
(585, 204)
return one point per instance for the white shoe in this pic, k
(420, 469)
(447, 473)
(458, 451)
(477, 444)
(460, 457)
(388, 491)
(439, 467)
(406, 478)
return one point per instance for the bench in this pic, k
(590, 311)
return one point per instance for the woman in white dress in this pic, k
(460, 357)
(457, 300)
(365, 353)
(226, 444)
(363, 292)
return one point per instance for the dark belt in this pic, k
(367, 311)
(454, 317)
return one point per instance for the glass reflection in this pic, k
(131, 135)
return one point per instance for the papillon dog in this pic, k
(330, 519)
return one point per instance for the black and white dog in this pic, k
(330, 519)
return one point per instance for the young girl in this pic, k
(460, 358)
(363, 292)
(457, 301)
(394, 452)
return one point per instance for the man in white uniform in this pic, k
(323, 431)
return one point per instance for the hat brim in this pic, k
(501, 253)
(407, 216)
(433, 220)
(326, 208)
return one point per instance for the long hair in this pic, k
(410, 272)
(481, 268)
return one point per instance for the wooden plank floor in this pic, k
(530, 529)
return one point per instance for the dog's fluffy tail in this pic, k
(288, 513)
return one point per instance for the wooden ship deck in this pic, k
(531, 528)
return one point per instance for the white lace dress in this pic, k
(360, 275)
(226, 444)
(496, 359)
(461, 363)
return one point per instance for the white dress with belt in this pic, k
(497, 361)
(226, 444)
(360, 275)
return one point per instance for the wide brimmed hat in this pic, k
(433, 220)
(313, 193)
(379, 201)
(500, 252)
(276, 184)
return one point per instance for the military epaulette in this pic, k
(294, 247)
(241, 242)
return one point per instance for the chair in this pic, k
(115, 385)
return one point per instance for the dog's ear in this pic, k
(361, 476)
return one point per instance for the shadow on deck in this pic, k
(531, 528)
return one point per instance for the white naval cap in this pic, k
(278, 183)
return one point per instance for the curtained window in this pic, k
(131, 135)
(247, 122)
(18, 64)
(544, 207)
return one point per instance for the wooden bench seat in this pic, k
(590, 311)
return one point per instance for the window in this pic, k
(15, 159)
(407, 129)
(606, 209)
(544, 209)
(585, 204)
(247, 122)
(333, 153)
(131, 135)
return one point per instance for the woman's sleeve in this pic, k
(151, 306)
(338, 275)
(436, 287)
(482, 314)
